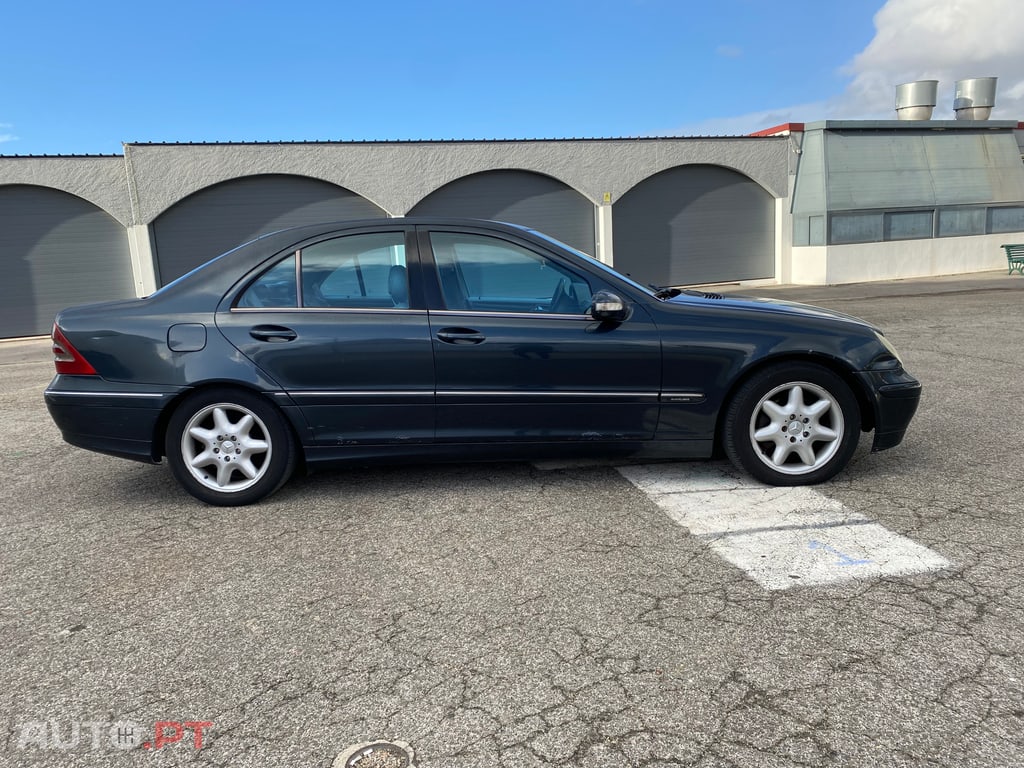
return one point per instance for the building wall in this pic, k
(56, 249)
(396, 176)
(136, 189)
(864, 262)
(140, 187)
(102, 181)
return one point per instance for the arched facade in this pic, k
(518, 197)
(669, 210)
(218, 218)
(56, 249)
(695, 224)
(170, 207)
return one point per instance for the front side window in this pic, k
(486, 274)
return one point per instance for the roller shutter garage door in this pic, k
(218, 218)
(518, 197)
(56, 250)
(695, 224)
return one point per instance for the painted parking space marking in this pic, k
(780, 537)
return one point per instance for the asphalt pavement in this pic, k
(524, 615)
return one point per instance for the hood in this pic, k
(757, 304)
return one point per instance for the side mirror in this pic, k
(608, 307)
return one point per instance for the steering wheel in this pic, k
(563, 300)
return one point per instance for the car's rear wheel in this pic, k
(229, 447)
(792, 424)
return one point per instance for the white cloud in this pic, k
(944, 40)
(729, 51)
(4, 137)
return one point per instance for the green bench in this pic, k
(1015, 258)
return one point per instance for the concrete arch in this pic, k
(165, 175)
(479, 169)
(753, 177)
(220, 216)
(518, 196)
(396, 176)
(100, 181)
(197, 187)
(695, 223)
(609, 169)
(56, 249)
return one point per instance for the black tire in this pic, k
(792, 424)
(229, 447)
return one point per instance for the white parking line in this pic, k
(781, 537)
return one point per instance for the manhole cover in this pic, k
(376, 754)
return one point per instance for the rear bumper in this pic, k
(116, 419)
(896, 395)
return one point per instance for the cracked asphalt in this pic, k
(501, 615)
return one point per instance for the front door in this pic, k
(518, 358)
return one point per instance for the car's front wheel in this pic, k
(229, 447)
(792, 424)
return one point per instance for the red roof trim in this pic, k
(784, 128)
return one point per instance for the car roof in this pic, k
(294, 234)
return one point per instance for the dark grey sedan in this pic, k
(445, 339)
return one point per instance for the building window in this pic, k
(1005, 220)
(809, 230)
(801, 230)
(816, 227)
(878, 226)
(856, 228)
(909, 225)
(961, 221)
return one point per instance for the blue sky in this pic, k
(82, 77)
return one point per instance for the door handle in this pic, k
(460, 336)
(272, 333)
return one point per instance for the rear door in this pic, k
(341, 326)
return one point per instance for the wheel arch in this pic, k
(160, 428)
(837, 366)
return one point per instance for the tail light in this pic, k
(66, 358)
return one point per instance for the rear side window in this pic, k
(359, 271)
(366, 271)
(274, 288)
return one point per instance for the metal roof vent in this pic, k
(974, 98)
(915, 101)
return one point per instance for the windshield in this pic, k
(591, 260)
